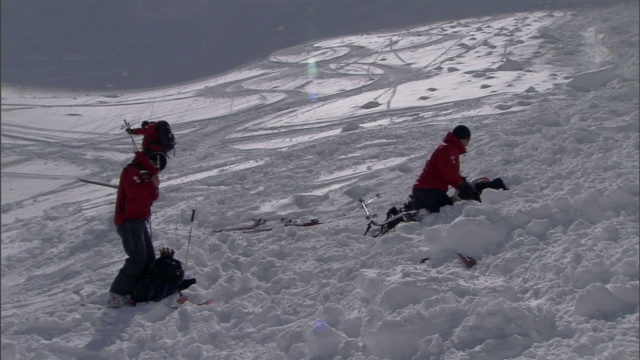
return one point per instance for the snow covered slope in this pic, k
(304, 134)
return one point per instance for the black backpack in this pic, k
(164, 278)
(167, 140)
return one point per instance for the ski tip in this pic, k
(211, 301)
(471, 261)
(467, 260)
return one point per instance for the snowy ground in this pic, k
(304, 134)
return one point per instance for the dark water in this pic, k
(125, 44)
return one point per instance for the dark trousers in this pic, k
(430, 199)
(137, 244)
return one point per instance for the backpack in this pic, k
(164, 278)
(167, 140)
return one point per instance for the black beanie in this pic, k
(158, 159)
(462, 132)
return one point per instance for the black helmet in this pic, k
(462, 132)
(158, 159)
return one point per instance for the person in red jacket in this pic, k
(137, 190)
(441, 171)
(151, 139)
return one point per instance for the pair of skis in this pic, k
(184, 298)
(181, 300)
(261, 225)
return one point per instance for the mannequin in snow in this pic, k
(137, 190)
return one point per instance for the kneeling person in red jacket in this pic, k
(137, 190)
(443, 170)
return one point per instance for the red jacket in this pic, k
(443, 168)
(151, 139)
(136, 191)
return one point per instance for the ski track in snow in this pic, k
(304, 134)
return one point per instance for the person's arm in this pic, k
(138, 183)
(449, 165)
(147, 130)
(143, 182)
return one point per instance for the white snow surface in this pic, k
(304, 134)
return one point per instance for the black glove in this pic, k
(129, 131)
(167, 253)
(467, 192)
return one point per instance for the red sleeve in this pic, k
(448, 162)
(137, 184)
(149, 130)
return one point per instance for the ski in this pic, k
(290, 222)
(182, 299)
(174, 305)
(97, 182)
(256, 224)
(259, 225)
(185, 299)
(468, 261)
(209, 301)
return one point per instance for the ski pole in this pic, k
(363, 205)
(186, 259)
(130, 134)
(366, 211)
